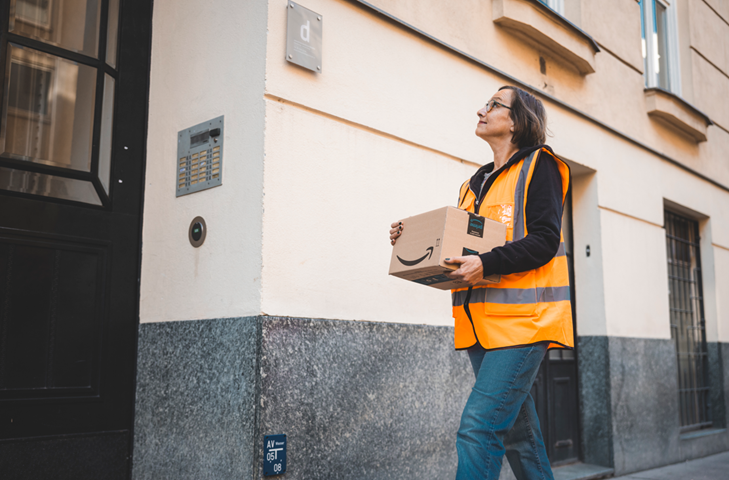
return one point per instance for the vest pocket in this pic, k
(507, 310)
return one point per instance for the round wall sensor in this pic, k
(197, 232)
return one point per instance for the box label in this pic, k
(433, 279)
(475, 225)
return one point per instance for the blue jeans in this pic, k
(500, 417)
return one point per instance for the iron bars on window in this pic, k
(687, 320)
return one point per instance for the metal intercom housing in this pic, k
(200, 157)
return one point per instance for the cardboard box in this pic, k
(429, 238)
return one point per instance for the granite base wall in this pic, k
(195, 411)
(357, 400)
(717, 372)
(366, 400)
(593, 375)
(723, 363)
(363, 400)
(630, 407)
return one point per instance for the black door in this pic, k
(555, 389)
(74, 83)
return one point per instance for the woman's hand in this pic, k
(395, 232)
(469, 271)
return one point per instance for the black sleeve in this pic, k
(543, 222)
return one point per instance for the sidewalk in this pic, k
(715, 467)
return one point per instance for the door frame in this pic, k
(117, 225)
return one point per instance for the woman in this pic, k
(508, 327)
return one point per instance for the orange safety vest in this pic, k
(526, 307)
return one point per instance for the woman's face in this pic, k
(497, 123)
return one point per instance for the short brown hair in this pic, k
(529, 117)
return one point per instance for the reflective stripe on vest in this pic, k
(519, 196)
(525, 307)
(512, 296)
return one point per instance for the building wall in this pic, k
(206, 62)
(196, 368)
(317, 165)
(320, 137)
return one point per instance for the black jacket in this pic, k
(543, 217)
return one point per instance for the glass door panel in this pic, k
(107, 118)
(50, 109)
(48, 185)
(70, 24)
(112, 32)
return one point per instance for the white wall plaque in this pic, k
(303, 37)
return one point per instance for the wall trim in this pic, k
(720, 246)
(276, 98)
(601, 207)
(717, 13)
(616, 57)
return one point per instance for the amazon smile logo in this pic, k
(410, 263)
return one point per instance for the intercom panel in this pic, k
(200, 157)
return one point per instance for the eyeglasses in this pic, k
(492, 103)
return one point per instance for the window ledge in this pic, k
(702, 433)
(548, 29)
(673, 109)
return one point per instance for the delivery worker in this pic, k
(507, 327)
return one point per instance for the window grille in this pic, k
(687, 320)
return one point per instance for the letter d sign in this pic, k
(305, 29)
(303, 37)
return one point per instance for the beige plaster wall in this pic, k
(589, 275)
(317, 165)
(196, 77)
(616, 29)
(618, 211)
(684, 44)
(709, 34)
(708, 279)
(386, 131)
(614, 94)
(376, 76)
(711, 97)
(636, 291)
(721, 7)
(332, 188)
(381, 134)
(715, 148)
